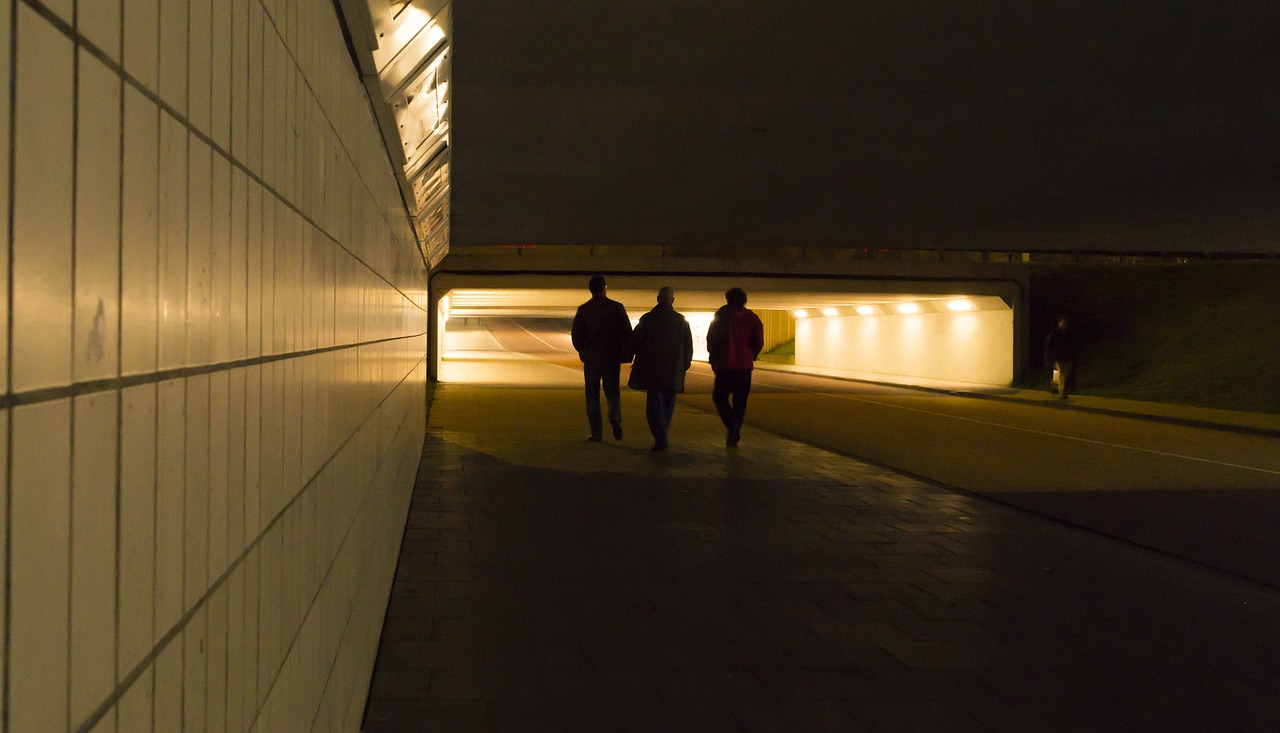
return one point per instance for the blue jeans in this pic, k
(594, 377)
(658, 408)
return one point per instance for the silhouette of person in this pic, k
(601, 332)
(734, 341)
(1061, 352)
(662, 345)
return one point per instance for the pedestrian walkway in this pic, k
(551, 584)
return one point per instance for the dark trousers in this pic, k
(658, 408)
(595, 377)
(730, 392)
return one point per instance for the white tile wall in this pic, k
(97, 222)
(137, 526)
(93, 552)
(199, 54)
(40, 542)
(42, 205)
(99, 22)
(6, 41)
(139, 297)
(199, 186)
(174, 46)
(4, 557)
(141, 41)
(137, 704)
(63, 8)
(167, 705)
(220, 65)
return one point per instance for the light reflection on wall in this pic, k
(926, 341)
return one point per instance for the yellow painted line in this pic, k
(531, 333)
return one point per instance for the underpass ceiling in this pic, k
(402, 49)
(914, 124)
(552, 302)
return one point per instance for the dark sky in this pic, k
(950, 123)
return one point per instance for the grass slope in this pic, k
(1203, 334)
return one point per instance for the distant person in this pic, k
(663, 348)
(1060, 353)
(734, 341)
(601, 332)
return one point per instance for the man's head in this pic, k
(596, 284)
(666, 295)
(735, 296)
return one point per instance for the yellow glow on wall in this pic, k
(933, 343)
(829, 312)
(960, 305)
(865, 310)
(801, 313)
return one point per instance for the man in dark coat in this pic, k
(1060, 352)
(734, 341)
(662, 345)
(601, 331)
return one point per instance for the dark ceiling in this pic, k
(900, 123)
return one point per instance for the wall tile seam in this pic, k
(115, 67)
(112, 384)
(365, 556)
(10, 174)
(409, 217)
(163, 643)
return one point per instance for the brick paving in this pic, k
(550, 584)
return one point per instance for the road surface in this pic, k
(1209, 496)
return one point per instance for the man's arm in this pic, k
(575, 333)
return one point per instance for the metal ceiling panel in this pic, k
(402, 50)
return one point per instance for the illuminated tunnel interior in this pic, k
(937, 339)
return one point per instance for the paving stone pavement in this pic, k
(551, 584)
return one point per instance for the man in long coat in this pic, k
(662, 345)
(601, 331)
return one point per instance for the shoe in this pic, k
(658, 447)
(731, 438)
(617, 428)
(594, 438)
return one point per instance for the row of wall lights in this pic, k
(959, 305)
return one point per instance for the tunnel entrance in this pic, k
(952, 334)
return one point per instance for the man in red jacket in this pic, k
(734, 341)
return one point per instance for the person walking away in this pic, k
(662, 346)
(734, 340)
(1060, 352)
(601, 332)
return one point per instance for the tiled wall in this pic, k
(213, 319)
